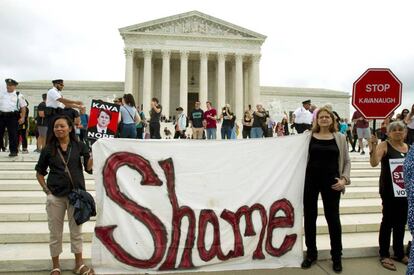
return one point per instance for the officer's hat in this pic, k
(179, 109)
(306, 101)
(57, 81)
(10, 81)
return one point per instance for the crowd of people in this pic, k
(61, 130)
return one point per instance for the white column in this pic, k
(184, 80)
(146, 97)
(203, 95)
(255, 81)
(245, 87)
(238, 101)
(165, 89)
(129, 70)
(221, 86)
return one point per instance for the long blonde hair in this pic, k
(332, 128)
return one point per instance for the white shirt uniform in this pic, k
(52, 99)
(303, 116)
(10, 102)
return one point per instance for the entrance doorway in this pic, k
(192, 98)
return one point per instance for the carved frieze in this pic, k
(194, 25)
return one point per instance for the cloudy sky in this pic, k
(318, 43)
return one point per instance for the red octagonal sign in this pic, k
(377, 93)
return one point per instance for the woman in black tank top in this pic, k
(391, 155)
(324, 174)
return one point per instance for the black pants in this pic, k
(394, 218)
(330, 200)
(246, 131)
(302, 127)
(179, 134)
(155, 130)
(21, 133)
(140, 133)
(12, 124)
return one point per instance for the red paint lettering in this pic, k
(178, 214)
(142, 214)
(280, 222)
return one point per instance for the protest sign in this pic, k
(182, 205)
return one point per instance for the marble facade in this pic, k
(192, 56)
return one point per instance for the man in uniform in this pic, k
(56, 103)
(12, 113)
(302, 117)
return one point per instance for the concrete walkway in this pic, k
(355, 266)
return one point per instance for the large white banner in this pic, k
(198, 205)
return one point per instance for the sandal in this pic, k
(86, 270)
(55, 270)
(403, 260)
(388, 264)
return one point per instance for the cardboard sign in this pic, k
(103, 120)
(397, 177)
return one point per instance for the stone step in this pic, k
(38, 232)
(36, 212)
(31, 174)
(361, 165)
(35, 256)
(30, 166)
(365, 173)
(355, 192)
(364, 182)
(25, 197)
(32, 185)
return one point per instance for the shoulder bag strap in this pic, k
(129, 114)
(66, 167)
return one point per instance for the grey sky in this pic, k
(318, 43)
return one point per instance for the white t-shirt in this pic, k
(52, 99)
(10, 102)
(303, 116)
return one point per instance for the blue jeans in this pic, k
(129, 131)
(226, 132)
(256, 132)
(211, 133)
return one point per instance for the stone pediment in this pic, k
(192, 23)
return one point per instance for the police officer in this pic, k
(12, 113)
(56, 103)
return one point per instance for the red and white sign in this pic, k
(397, 177)
(377, 93)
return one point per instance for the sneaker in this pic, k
(3, 149)
(353, 150)
(363, 153)
(25, 151)
(13, 155)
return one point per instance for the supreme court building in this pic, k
(188, 57)
(192, 56)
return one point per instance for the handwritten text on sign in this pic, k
(207, 217)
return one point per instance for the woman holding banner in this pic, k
(327, 172)
(391, 155)
(63, 154)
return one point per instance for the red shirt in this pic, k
(360, 123)
(211, 123)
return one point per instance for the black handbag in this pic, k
(81, 200)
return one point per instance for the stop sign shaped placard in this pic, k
(376, 93)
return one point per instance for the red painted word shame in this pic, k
(280, 215)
